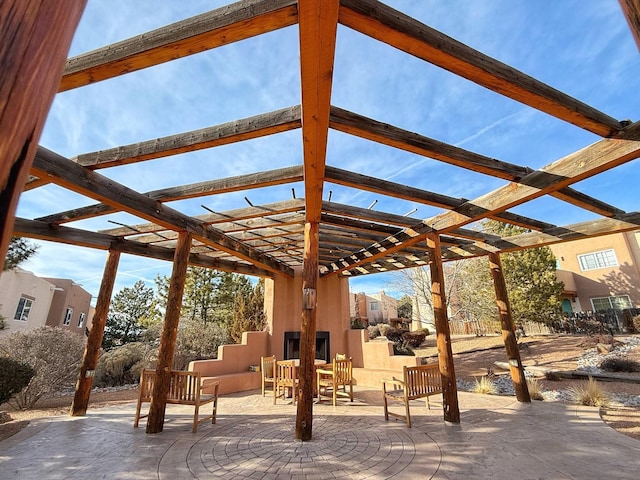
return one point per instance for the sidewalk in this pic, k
(498, 438)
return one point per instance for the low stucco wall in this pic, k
(231, 368)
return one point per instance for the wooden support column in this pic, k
(443, 335)
(304, 417)
(155, 421)
(94, 342)
(508, 330)
(34, 42)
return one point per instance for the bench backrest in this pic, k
(422, 380)
(183, 387)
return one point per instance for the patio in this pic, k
(498, 438)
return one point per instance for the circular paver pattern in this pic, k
(258, 447)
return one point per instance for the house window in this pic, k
(67, 316)
(24, 308)
(81, 320)
(606, 303)
(602, 259)
(374, 306)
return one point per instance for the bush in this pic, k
(402, 349)
(383, 328)
(485, 385)
(590, 394)
(14, 376)
(617, 364)
(636, 323)
(374, 331)
(123, 365)
(413, 339)
(197, 341)
(53, 353)
(394, 334)
(535, 391)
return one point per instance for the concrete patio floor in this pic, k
(498, 438)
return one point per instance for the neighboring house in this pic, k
(373, 309)
(600, 273)
(28, 302)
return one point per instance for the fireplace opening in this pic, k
(292, 345)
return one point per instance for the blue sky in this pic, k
(582, 48)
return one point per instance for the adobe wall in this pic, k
(283, 305)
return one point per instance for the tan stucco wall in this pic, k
(74, 296)
(283, 305)
(14, 284)
(603, 282)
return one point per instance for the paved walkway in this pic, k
(498, 438)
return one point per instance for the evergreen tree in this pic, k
(20, 250)
(248, 311)
(130, 313)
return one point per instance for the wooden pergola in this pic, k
(325, 238)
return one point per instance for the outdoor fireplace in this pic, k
(292, 345)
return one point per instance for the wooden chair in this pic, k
(285, 376)
(417, 382)
(267, 365)
(337, 377)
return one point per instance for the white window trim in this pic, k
(584, 268)
(22, 317)
(610, 302)
(81, 319)
(68, 315)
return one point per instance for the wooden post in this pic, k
(508, 330)
(443, 335)
(34, 42)
(94, 342)
(155, 421)
(304, 416)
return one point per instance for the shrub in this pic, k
(197, 340)
(636, 323)
(383, 328)
(53, 353)
(122, 365)
(14, 376)
(394, 334)
(402, 349)
(618, 364)
(535, 390)
(589, 394)
(374, 331)
(484, 385)
(413, 339)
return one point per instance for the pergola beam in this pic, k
(238, 21)
(394, 28)
(84, 238)
(70, 175)
(212, 187)
(379, 132)
(598, 157)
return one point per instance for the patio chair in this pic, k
(336, 378)
(285, 376)
(266, 371)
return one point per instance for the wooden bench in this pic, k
(417, 382)
(185, 388)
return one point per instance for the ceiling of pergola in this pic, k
(268, 237)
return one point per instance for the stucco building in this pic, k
(28, 301)
(600, 273)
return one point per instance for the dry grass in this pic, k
(590, 394)
(485, 385)
(535, 389)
